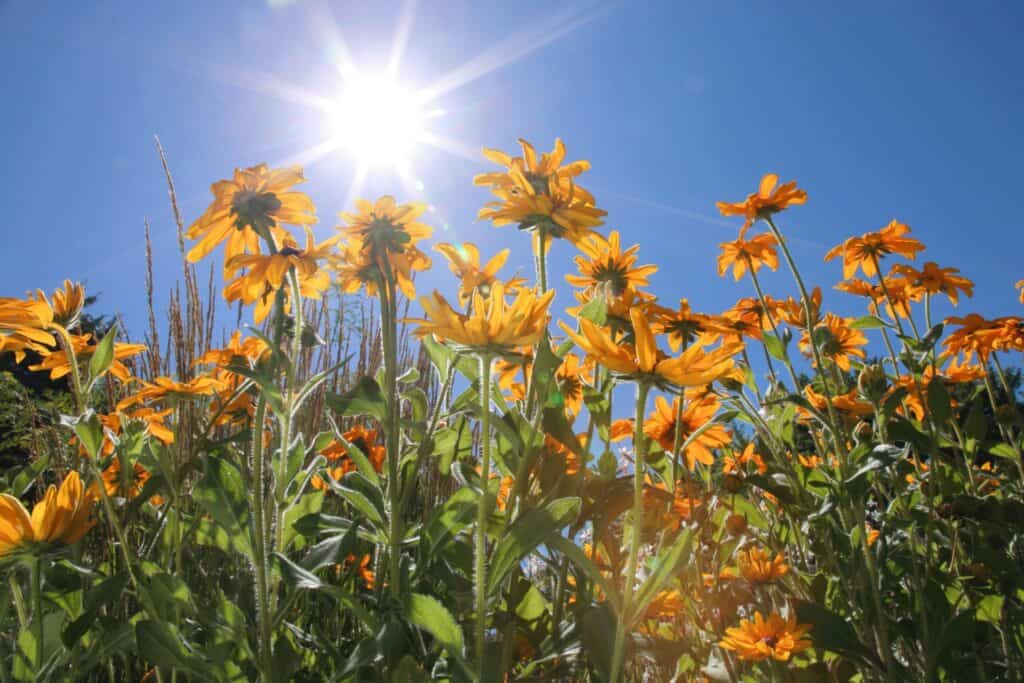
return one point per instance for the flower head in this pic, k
(769, 199)
(757, 566)
(493, 324)
(643, 360)
(662, 426)
(339, 460)
(464, 261)
(935, 280)
(63, 516)
(24, 325)
(59, 365)
(836, 340)
(759, 638)
(605, 266)
(866, 251)
(66, 303)
(753, 253)
(540, 193)
(248, 207)
(164, 388)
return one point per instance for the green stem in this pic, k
(256, 464)
(37, 608)
(483, 511)
(389, 340)
(636, 531)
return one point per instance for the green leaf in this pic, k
(939, 401)
(359, 492)
(306, 504)
(431, 616)
(160, 644)
(103, 354)
(526, 533)
(89, 430)
(868, 322)
(97, 597)
(366, 398)
(223, 495)
(774, 346)
(1003, 450)
(666, 566)
(831, 632)
(576, 555)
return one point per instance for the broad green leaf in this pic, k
(666, 566)
(526, 533)
(774, 346)
(434, 618)
(829, 631)
(223, 495)
(868, 322)
(939, 401)
(103, 354)
(366, 398)
(159, 643)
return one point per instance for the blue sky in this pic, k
(879, 110)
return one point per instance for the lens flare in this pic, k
(377, 120)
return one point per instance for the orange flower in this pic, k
(339, 462)
(976, 335)
(644, 361)
(356, 268)
(165, 387)
(760, 638)
(66, 303)
(464, 261)
(847, 404)
(682, 326)
(605, 267)
(248, 350)
(756, 566)
(540, 194)
(866, 251)
(935, 280)
(130, 489)
(23, 326)
(836, 341)
(742, 254)
(361, 567)
(63, 516)
(662, 426)
(266, 273)
(254, 201)
(900, 291)
(59, 365)
(768, 200)
(1020, 287)
(736, 462)
(792, 310)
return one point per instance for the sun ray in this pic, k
(450, 145)
(512, 49)
(403, 29)
(355, 188)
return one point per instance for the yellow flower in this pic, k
(59, 365)
(838, 341)
(606, 267)
(464, 261)
(165, 387)
(682, 326)
(935, 280)
(248, 350)
(742, 254)
(540, 193)
(256, 199)
(661, 425)
(738, 461)
(130, 489)
(863, 252)
(760, 638)
(339, 462)
(62, 516)
(492, 324)
(768, 200)
(385, 227)
(1020, 286)
(265, 274)
(756, 566)
(23, 326)
(644, 361)
(66, 303)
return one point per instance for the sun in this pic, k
(377, 120)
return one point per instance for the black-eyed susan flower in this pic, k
(162, 388)
(742, 254)
(759, 638)
(246, 208)
(757, 566)
(24, 326)
(837, 341)
(866, 251)
(57, 363)
(464, 261)
(662, 426)
(769, 199)
(492, 325)
(339, 461)
(65, 302)
(265, 273)
(682, 326)
(606, 267)
(643, 361)
(934, 279)
(540, 194)
(63, 516)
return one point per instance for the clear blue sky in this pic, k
(880, 110)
